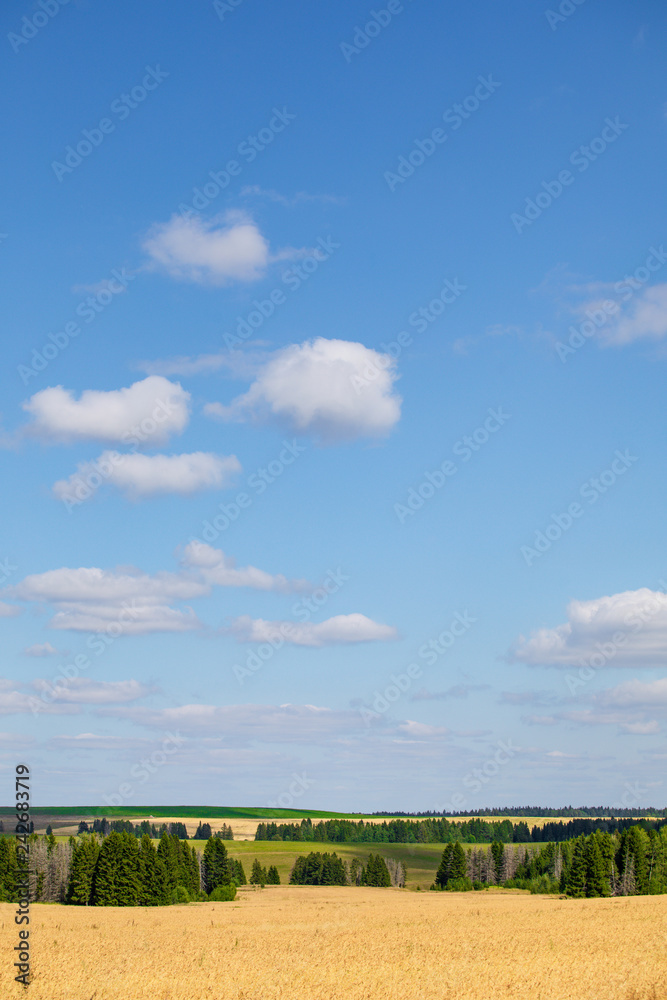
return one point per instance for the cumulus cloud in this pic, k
(220, 570)
(91, 741)
(638, 694)
(245, 724)
(626, 720)
(149, 411)
(333, 631)
(127, 601)
(456, 691)
(641, 728)
(644, 319)
(83, 691)
(139, 476)
(41, 649)
(214, 252)
(17, 702)
(628, 629)
(9, 610)
(420, 730)
(336, 390)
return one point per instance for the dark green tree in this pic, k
(258, 875)
(597, 883)
(272, 876)
(82, 870)
(377, 873)
(116, 877)
(151, 875)
(498, 852)
(216, 865)
(238, 872)
(575, 883)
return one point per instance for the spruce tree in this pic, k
(82, 869)
(116, 877)
(498, 853)
(168, 853)
(443, 873)
(216, 865)
(258, 874)
(152, 891)
(575, 884)
(596, 872)
(238, 872)
(459, 863)
(272, 876)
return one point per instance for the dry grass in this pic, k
(348, 944)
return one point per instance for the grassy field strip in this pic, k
(421, 860)
(348, 944)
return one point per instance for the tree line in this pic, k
(104, 827)
(626, 863)
(542, 811)
(121, 870)
(443, 831)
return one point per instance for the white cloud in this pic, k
(300, 196)
(636, 693)
(216, 252)
(83, 691)
(140, 476)
(339, 629)
(149, 411)
(336, 390)
(421, 730)
(21, 703)
(623, 630)
(9, 610)
(91, 741)
(220, 570)
(641, 728)
(127, 601)
(644, 319)
(243, 724)
(201, 364)
(41, 649)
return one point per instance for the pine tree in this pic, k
(272, 877)
(82, 870)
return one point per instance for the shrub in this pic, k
(223, 894)
(459, 885)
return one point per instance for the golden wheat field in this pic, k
(311, 943)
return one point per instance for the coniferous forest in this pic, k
(121, 869)
(443, 831)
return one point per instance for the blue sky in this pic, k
(332, 426)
